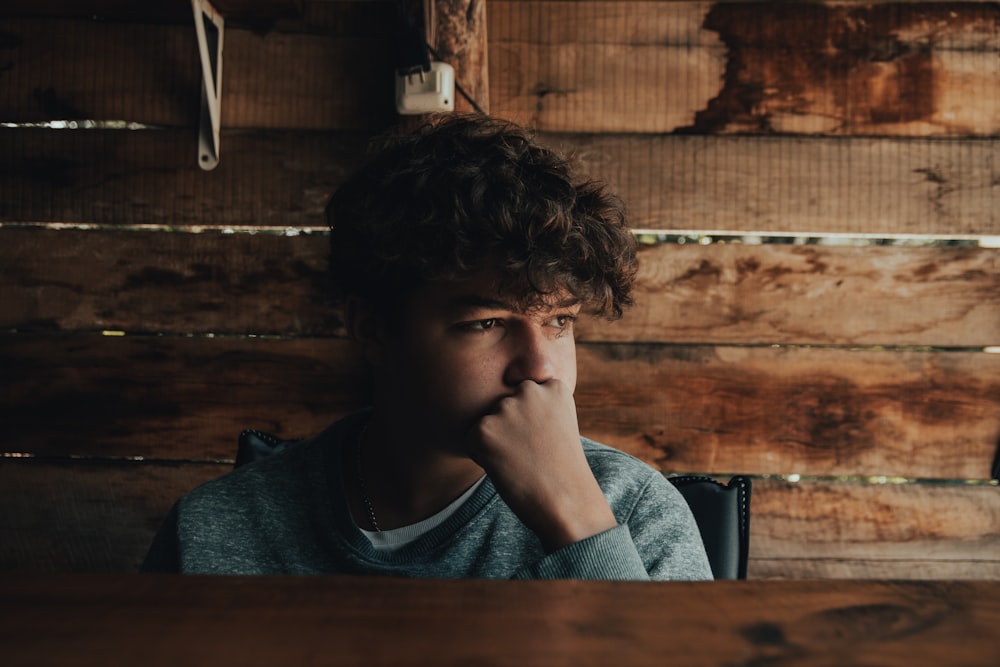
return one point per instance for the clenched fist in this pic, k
(530, 447)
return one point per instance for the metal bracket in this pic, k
(208, 25)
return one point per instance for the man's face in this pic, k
(458, 347)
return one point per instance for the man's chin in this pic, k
(448, 440)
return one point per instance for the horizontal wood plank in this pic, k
(603, 66)
(794, 410)
(916, 69)
(98, 516)
(796, 184)
(170, 398)
(257, 284)
(872, 295)
(152, 177)
(905, 531)
(640, 67)
(734, 184)
(873, 568)
(274, 284)
(599, 88)
(681, 408)
(326, 17)
(71, 70)
(93, 620)
(255, 12)
(87, 516)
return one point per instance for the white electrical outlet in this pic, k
(426, 92)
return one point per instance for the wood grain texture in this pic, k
(734, 184)
(365, 18)
(274, 284)
(825, 295)
(68, 70)
(645, 67)
(602, 67)
(170, 398)
(97, 619)
(873, 568)
(100, 516)
(87, 516)
(903, 68)
(914, 69)
(152, 177)
(794, 410)
(460, 39)
(681, 408)
(796, 184)
(869, 530)
(255, 12)
(182, 283)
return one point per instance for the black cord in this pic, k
(457, 86)
(407, 55)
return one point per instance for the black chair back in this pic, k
(722, 512)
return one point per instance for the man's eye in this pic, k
(482, 325)
(563, 321)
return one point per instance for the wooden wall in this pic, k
(815, 188)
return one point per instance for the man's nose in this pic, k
(531, 358)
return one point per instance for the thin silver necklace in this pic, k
(363, 487)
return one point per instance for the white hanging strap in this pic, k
(208, 25)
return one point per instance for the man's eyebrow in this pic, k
(473, 301)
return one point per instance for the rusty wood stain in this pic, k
(866, 64)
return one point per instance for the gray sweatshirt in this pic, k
(287, 514)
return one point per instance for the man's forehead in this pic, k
(499, 300)
(493, 289)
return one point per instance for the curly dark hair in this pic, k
(469, 192)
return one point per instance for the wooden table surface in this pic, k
(173, 620)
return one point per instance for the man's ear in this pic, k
(363, 326)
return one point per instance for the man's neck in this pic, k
(404, 478)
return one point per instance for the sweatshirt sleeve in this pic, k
(163, 554)
(609, 555)
(656, 539)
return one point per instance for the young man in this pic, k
(462, 255)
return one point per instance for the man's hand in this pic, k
(530, 447)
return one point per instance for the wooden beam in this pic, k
(100, 516)
(882, 69)
(812, 294)
(459, 38)
(604, 67)
(107, 71)
(272, 284)
(150, 177)
(872, 69)
(239, 284)
(917, 568)
(733, 184)
(757, 410)
(906, 531)
(809, 411)
(96, 516)
(247, 12)
(797, 184)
